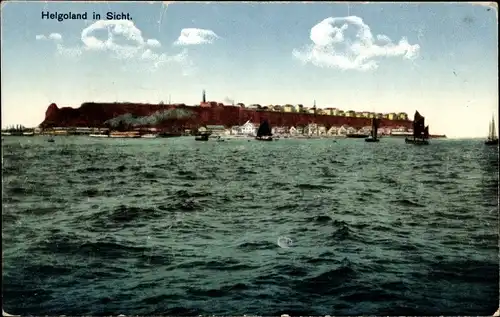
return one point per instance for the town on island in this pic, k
(135, 120)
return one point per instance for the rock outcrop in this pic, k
(101, 114)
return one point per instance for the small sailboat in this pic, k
(492, 134)
(264, 132)
(420, 131)
(202, 136)
(373, 137)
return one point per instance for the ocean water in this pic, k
(178, 227)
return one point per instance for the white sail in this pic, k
(493, 134)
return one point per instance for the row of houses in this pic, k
(250, 129)
(313, 110)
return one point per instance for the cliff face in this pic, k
(96, 114)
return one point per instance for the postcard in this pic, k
(247, 158)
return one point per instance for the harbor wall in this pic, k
(96, 114)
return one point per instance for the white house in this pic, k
(278, 130)
(332, 131)
(235, 130)
(248, 128)
(343, 130)
(314, 128)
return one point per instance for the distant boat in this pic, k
(149, 136)
(373, 137)
(202, 136)
(128, 134)
(169, 135)
(357, 135)
(51, 139)
(420, 133)
(264, 132)
(492, 134)
(98, 135)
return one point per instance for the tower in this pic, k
(204, 99)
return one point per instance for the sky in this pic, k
(440, 59)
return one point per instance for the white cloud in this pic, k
(61, 49)
(159, 59)
(52, 36)
(55, 36)
(124, 41)
(192, 36)
(153, 43)
(69, 51)
(332, 49)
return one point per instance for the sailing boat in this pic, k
(492, 135)
(264, 132)
(420, 131)
(373, 137)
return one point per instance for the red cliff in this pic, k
(96, 114)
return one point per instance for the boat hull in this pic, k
(416, 141)
(263, 138)
(371, 140)
(491, 142)
(201, 137)
(357, 136)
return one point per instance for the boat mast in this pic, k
(315, 121)
(492, 125)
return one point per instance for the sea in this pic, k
(300, 227)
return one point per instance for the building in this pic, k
(235, 130)
(288, 108)
(279, 130)
(402, 116)
(392, 116)
(248, 129)
(350, 113)
(216, 129)
(333, 130)
(328, 111)
(343, 130)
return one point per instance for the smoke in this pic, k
(229, 100)
(153, 119)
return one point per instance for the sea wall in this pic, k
(97, 114)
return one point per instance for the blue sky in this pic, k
(438, 58)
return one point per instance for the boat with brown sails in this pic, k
(492, 135)
(373, 137)
(264, 132)
(202, 136)
(420, 131)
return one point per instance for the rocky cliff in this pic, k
(174, 117)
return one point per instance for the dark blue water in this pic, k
(178, 227)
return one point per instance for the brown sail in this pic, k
(420, 131)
